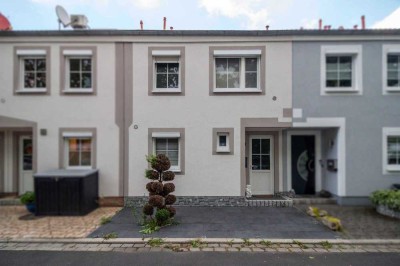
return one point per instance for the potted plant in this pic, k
(28, 198)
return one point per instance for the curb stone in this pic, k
(207, 245)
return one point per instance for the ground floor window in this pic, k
(77, 149)
(391, 149)
(171, 142)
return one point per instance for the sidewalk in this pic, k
(16, 222)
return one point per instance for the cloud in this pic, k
(309, 23)
(254, 11)
(391, 21)
(141, 4)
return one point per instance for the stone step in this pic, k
(10, 202)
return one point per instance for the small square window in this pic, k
(170, 148)
(222, 141)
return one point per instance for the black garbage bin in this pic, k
(66, 192)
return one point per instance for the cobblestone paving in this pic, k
(362, 222)
(17, 222)
(204, 247)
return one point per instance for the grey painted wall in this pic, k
(365, 115)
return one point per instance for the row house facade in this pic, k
(262, 111)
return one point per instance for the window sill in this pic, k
(31, 91)
(78, 167)
(237, 90)
(175, 170)
(83, 91)
(223, 151)
(393, 168)
(388, 89)
(166, 91)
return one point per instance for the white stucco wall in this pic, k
(198, 112)
(56, 111)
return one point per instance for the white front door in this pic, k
(25, 164)
(261, 165)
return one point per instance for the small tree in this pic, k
(159, 206)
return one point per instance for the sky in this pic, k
(205, 14)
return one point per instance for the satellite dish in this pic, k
(4, 23)
(63, 17)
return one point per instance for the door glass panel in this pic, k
(255, 146)
(27, 154)
(256, 160)
(265, 162)
(265, 146)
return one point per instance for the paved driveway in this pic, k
(225, 222)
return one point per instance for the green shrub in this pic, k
(28, 197)
(387, 197)
(162, 215)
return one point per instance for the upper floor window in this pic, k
(167, 71)
(80, 73)
(341, 69)
(32, 70)
(167, 75)
(238, 70)
(391, 69)
(236, 73)
(78, 70)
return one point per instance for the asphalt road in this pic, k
(194, 258)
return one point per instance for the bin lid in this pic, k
(65, 173)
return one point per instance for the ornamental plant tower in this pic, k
(160, 197)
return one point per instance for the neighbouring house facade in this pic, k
(266, 111)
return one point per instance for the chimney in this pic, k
(165, 23)
(363, 22)
(171, 28)
(320, 24)
(267, 27)
(141, 24)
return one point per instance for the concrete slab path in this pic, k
(224, 222)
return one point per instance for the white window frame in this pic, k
(242, 73)
(30, 54)
(223, 148)
(355, 51)
(386, 50)
(79, 135)
(166, 90)
(166, 53)
(388, 132)
(169, 135)
(241, 55)
(77, 54)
